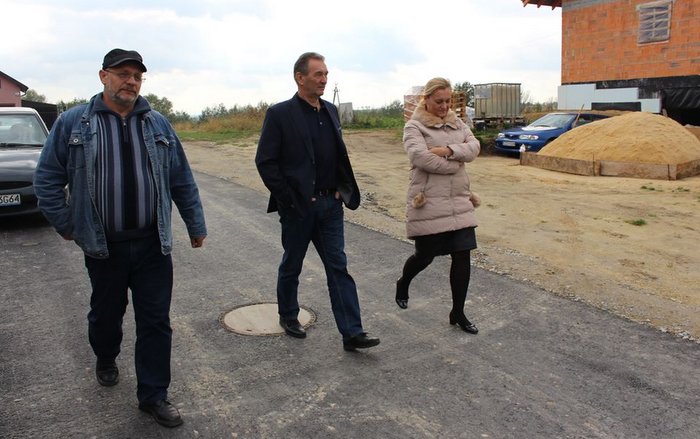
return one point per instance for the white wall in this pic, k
(345, 112)
(575, 97)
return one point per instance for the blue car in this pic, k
(539, 133)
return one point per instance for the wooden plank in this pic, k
(689, 169)
(570, 166)
(638, 170)
(610, 168)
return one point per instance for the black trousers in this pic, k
(460, 274)
(137, 265)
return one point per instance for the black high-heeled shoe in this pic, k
(400, 300)
(463, 323)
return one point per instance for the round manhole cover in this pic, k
(261, 319)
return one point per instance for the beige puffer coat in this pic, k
(444, 181)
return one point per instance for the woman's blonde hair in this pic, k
(433, 85)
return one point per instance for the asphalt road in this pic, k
(542, 366)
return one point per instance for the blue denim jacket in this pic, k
(68, 158)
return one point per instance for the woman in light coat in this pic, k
(439, 204)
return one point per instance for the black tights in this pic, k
(460, 272)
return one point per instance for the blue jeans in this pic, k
(322, 225)
(139, 265)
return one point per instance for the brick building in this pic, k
(11, 91)
(630, 54)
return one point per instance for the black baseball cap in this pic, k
(116, 57)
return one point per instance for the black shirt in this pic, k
(325, 144)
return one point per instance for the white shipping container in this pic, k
(497, 101)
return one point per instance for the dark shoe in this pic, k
(401, 295)
(107, 373)
(293, 327)
(360, 341)
(463, 323)
(163, 412)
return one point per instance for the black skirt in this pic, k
(446, 242)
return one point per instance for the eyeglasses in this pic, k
(125, 76)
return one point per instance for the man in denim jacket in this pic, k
(123, 166)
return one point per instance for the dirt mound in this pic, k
(694, 129)
(630, 138)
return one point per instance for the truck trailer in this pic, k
(497, 103)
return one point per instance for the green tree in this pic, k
(395, 108)
(165, 107)
(34, 96)
(179, 117)
(63, 106)
(468, 89)
(216, 112)
(161, 105)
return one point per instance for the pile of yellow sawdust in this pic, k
(630, 138)
(693, 129)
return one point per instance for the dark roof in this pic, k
(21, 86)
(552, 3)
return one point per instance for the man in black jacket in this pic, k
(303, 161)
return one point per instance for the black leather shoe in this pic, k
(163, 412)
(463, 323)
(293, 327)
(360, 341)
(107, 373)
(401, 295)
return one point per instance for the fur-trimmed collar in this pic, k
(430, 120)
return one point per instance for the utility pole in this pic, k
(336, 95)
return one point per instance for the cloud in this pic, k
(203, 53)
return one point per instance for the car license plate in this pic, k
(508, 143)
(10, 200)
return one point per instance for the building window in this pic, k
(654, 21)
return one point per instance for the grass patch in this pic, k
(487, 139)
(222, 136)
(388, 116)
(368, 119)
(224, 125)
(637, 222)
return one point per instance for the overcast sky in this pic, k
(202, 53)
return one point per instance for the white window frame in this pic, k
(654, 21)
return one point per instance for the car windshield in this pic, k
(552, 120)
(21, 129)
